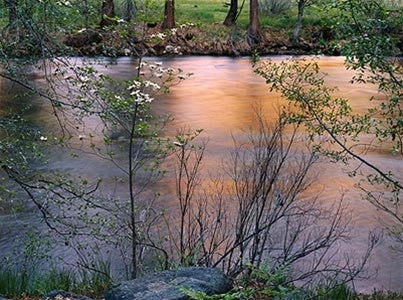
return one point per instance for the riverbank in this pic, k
(191, 39)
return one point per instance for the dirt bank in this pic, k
(189, 39)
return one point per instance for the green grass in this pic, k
(214, 12)
(204, 12)
(382, 296)
(200, 12)
(17, 283)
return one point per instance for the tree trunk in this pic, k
(169, 15)
(133, 211)
(12, 10)
(108, 13)
(131, 11)
(253, 31)
(298, 25)
(232, 13)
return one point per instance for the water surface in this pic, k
(219, 98)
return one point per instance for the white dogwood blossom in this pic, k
(140, 97)
(153, 85)
(135, 85)
(159, 35)
(63, 3)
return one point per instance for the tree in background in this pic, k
(273, 7)
(301, 6)
(232, 13)
(169, 15)
(253, 35)
(130, 10)
(108, 13)
(87, 11)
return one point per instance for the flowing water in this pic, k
(219, 99)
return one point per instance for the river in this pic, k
(219, 99)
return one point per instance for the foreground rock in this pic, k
(166, 285)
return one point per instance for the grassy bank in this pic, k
(210, 36)
(215, 11)
(19, 284)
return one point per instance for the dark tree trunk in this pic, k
(12, 10)
(253, 31)
(131, 11)
(298, 25)
(232, 13)
(108, 13)
(169, 15)
(85, 11)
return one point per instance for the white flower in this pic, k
(135, 93)
(141, 98)
(84, 78)
(148, 99)
(153, 85)
(43, 138)
(161, 35)
(136, 84)
(65, 3)
(187, 25)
